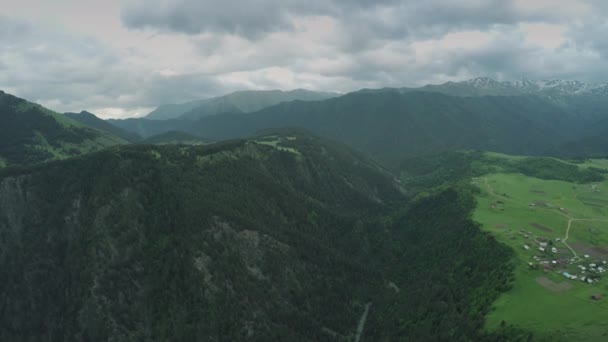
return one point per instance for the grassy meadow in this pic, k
(527, 213)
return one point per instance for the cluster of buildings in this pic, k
(587, 273)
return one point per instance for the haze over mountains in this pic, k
(521, 117)
(237, 102)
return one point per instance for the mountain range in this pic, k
(237, 102)
(521, 117)
(270, 233)
(483, 86)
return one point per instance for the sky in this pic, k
(123, 58)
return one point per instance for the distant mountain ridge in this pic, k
(237, 102)
(91, 120)
(387, 124)
(485, 86)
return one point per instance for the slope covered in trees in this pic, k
(30, 133)
(281, 237)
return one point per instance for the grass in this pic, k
(520, 210)
(277, 142)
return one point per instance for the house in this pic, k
(596, 296)
(586, 256)
(553, 249)
(526, 247)
(543, 244)
(541, 249)
(566, 274)
(592, 265)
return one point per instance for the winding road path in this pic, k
(565, 239)
(362, 322)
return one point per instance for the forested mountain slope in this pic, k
(281, 237)
(30, 133)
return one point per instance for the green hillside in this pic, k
(30, 133)
(281, 237)
(92, 121)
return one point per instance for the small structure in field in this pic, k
(596, 296)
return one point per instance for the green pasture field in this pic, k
(525, 211)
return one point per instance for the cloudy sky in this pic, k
(121, 58)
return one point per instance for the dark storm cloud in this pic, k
(245, 18)
(253, 19)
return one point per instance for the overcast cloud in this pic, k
(123, 58)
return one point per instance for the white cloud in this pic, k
(73, 55)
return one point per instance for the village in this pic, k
(552, 255)
(549, 259)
